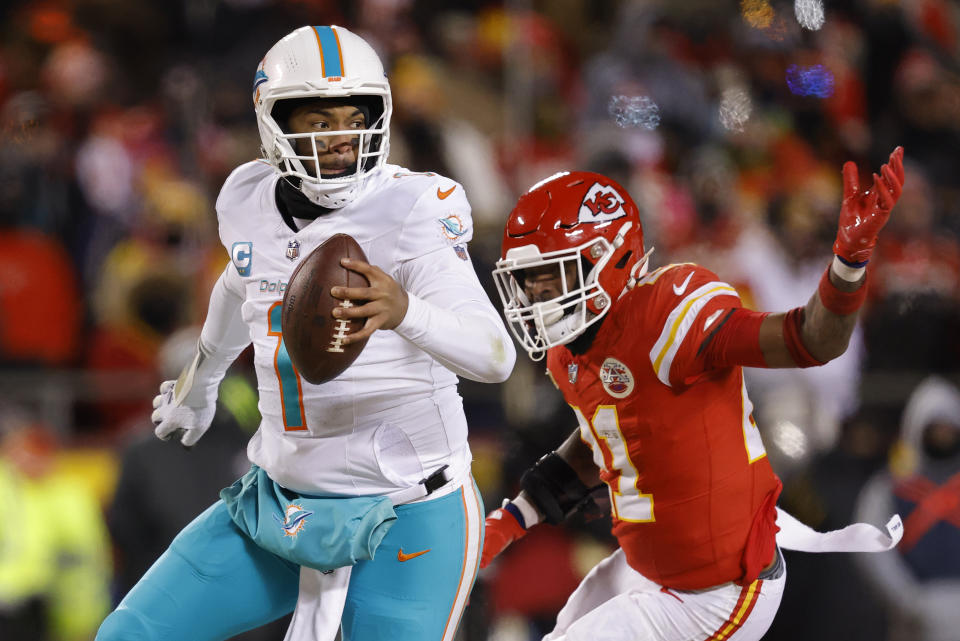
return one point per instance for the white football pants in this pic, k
(614, 602)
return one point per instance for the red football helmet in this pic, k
(584, 223)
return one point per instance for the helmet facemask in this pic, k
(302, 161)
(538, 326)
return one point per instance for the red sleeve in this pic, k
(734, 341)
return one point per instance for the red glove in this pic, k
(502, 529)
(864, 213)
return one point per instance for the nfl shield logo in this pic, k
(572, 373)
(293, 249)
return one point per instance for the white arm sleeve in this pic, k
(223, 337)
(451, 318)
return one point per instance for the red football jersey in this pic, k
(692, 492)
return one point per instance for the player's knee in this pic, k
(124, 624)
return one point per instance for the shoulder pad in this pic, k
(680, 293)
(440, 216)
(242, 181)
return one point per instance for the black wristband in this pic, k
(554, 487)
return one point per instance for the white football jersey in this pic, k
(394, 415)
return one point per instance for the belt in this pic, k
(776, 570)
(424, 488)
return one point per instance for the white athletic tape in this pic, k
(858, 537)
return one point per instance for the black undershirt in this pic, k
(582, 343)
(292, 203)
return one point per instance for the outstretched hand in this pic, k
(500, 530)
(864, 212)
(386, 302)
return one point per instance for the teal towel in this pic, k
(319, 532)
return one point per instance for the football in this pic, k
(313, 337)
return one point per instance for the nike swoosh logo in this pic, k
(406, 557)
(442, 195)
(679, 290)
(714, 316)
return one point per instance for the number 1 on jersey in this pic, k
(291, 394)
(603, 435)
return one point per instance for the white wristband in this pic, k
(846, 272)
(530, 515)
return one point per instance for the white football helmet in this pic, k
(323, 62)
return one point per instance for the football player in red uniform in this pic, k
(651, 363)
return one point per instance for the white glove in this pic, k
(182, 412)
(185, 407)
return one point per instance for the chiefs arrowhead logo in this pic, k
(602, 203)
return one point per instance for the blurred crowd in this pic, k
(727, 121)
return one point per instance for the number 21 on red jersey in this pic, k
(603, 435)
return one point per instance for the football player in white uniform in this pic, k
(374, 463)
